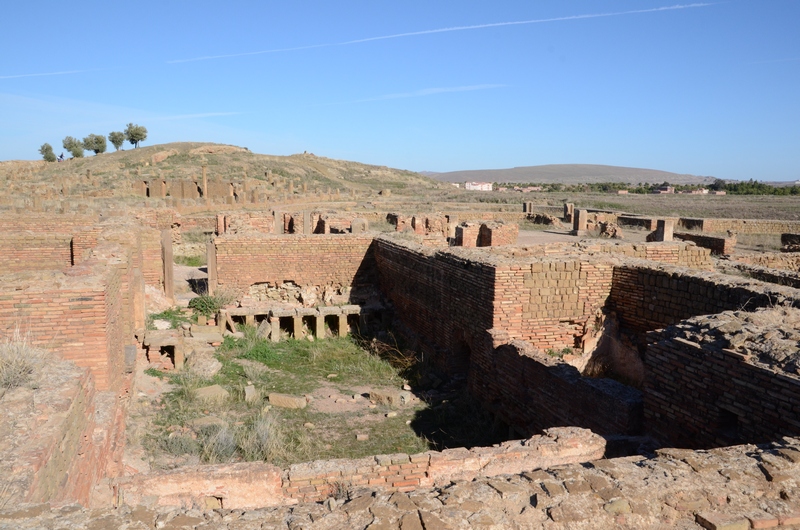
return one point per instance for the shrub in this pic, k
(208, 305)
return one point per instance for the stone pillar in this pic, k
(569, 211)
(344, 329)
(306, 222)
(297, 327)
(452, 223)
(220, 224)
(205, 185)
(580, 222)
(291, 187)
(275, 324)
(211, 260)
(664, 229)
(358, 226)
(319, 325)
(277, 222)
(166, 257)
(305, 188)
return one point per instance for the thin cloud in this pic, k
(449, 29)
(66, 72)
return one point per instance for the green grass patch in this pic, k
(190, 261)
(175, 316)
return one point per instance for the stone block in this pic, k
(213, 393)
(287, 401)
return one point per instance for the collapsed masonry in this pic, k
(527, 325)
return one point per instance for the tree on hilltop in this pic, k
(74, 146)
(117, 139)
(135, 134)
(46, 150)
(96, 143)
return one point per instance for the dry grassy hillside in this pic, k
(184, 160)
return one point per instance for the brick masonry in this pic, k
(701, 396)
(718, 245)
(742, 226)
(337, 260)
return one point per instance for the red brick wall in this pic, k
(646, 298)
(549, 302)
(24, 251)
(339, 260)
(717, 245)
(690, 389)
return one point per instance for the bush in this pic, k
(209, 305)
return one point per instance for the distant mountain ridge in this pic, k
(569, 174)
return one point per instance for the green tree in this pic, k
(117, 139)
(96, 143)
(135, 134)
(46, 150)
(74, 146)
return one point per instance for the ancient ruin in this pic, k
(650, 380)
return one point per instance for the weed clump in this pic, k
(19, 359)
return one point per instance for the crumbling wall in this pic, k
(772, 260)
(718, 245)
(646, 297)
(549, 302)
(701, 396)
(254, 485)
(336, 260)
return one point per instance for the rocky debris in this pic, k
(383, 396)
(724, 488)
(770, 337)
(287, 401)
(610, 230)
(203, 363)
(212, 393)
(545, 219)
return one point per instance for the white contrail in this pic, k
(46, 73)
(446, 30)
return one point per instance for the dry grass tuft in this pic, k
(19, 359)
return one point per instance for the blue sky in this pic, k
(709, 88)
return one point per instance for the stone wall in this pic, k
(253, 485)
(703, 396)
(717, 245)
(788, 261)
(25, 251)
(742, 226)
(337, 260)
(646, 298)
(531, 391)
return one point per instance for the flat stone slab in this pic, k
(287, 401)
(251, 395)
(351, 309)
(212, 393)
(205, 336)
(332, 310)
(385, 397)
(166, 337)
